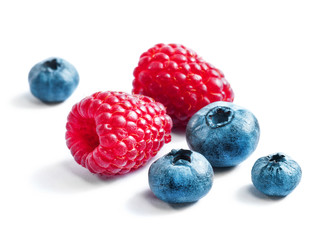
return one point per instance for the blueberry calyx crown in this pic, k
(278, 157)
(53, 64)
(219, 116)
(181, 156)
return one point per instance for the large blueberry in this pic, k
(226, 134)
(53, 80)
(276, 174)
(181, 176)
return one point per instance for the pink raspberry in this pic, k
(112, 133)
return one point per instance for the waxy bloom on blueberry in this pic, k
(181, 176)
(225, 133)
(276, 175)
(53, 80)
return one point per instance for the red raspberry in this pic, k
(181, 80)
(113, 133)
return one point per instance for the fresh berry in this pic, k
(53, 80)
(113, 133)
(226, 134)
(177, 77)
(181, 176)
(276, 175)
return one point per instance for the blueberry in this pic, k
(181, 176)
(226, 134)
(53, 80)
(276, 175)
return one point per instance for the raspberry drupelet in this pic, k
(113, 133)
(181, 80)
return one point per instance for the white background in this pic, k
(277, 55)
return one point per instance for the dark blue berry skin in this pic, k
(181, 176)
(226, 134)
(53, 80)
(276, 175)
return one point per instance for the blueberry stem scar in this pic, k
(53, 64)
(276, 158)
(219, 116)
(182, 154)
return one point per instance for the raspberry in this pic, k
(181, 80)
(112, 133)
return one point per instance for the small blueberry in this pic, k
(53, 80)
(225, 133)
(276, 175)
(181, 176)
